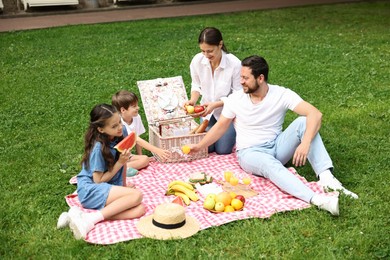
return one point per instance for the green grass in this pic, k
(336, 56)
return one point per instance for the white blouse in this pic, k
(225, 80)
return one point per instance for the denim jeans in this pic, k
(268, 159)
(225, 144)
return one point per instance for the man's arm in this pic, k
(313, 125)
(213, 135)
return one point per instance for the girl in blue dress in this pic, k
(101, 184)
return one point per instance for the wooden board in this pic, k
(239, 189)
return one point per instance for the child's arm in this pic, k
(138, 149)
(99, 177)
(164, 154)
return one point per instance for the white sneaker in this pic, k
(327, 203)
(79, 226)
(64, 219)
(334, 184)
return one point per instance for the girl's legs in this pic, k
(122, 203)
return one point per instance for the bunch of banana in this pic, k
(183, 190)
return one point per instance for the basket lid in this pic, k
(163, 98)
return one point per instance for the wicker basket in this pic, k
(164, 126)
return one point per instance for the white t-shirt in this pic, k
(259, 123)
(136, 125)
(225, 80)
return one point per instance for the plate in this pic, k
(167, 101)
(217, 212)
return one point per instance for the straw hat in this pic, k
(168, 221)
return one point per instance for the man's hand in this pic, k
(300, 155)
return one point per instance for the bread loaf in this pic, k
(202, 127)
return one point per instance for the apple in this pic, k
(190, 109)
(211, 196)
(237, 204)
(198, 109)
(209, 204)
(219, 206)
(240, 197)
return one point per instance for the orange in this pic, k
(224, 197)
(186, 149)
(237, 204)
(229, 208)
(232, 194)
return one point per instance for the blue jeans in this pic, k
(225, 144)
(268, 159)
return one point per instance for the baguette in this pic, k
(193, 131)
(202, 127)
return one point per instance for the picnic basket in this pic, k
(169, 125)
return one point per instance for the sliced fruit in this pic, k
(127, 143)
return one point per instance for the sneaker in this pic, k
(334, 184)
(131, 172)
(327, 203)
(79, 226)
(64, 219)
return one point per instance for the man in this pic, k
(257, 113)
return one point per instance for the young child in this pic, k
(100, 184)
(126, 103)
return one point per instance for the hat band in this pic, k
(168, 226)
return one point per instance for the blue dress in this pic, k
(94, 195)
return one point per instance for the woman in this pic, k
(215, 74)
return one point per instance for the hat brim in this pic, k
(147, 229)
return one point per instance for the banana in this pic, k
(190, 193)
(182, 183)
(183, 196)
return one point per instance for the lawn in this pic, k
(335, 56)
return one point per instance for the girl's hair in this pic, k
(99, 116)
(124, 98)
(258, 65)
(211, 36)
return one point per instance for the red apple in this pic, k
(240, 197)
(198, 109)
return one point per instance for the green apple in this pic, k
(219, 206)
(209, 204)
(211, 196)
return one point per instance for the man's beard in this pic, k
(252, 90)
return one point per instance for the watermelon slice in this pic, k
(127, 143)
(179, 200)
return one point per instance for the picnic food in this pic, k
(179, 200)
(186, 149)
(182, 189)
(224, 197)
(198, 109)
(179, 182)
(219, 207)
(127, 143)
(237, 204)
(202, 127)
(200, 177)
(223, 202)
(190, 109)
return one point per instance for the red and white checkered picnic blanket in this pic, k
(153, 182)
